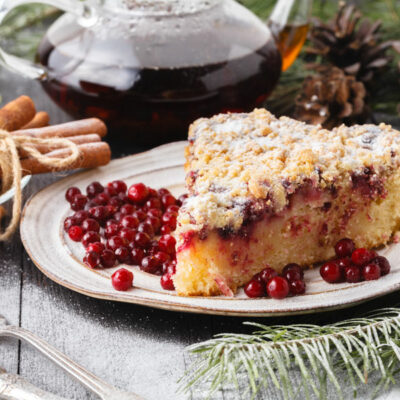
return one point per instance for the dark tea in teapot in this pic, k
(153, 104)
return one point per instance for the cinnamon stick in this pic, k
(17, 113)
(91, 155)
(45, 148)
(68, 129)
(40, 120)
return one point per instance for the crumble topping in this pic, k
(234, 160)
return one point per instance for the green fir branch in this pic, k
(357, 347)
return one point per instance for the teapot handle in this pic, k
(86, 14)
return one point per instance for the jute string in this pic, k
(11, 169)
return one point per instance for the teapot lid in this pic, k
(160, 7)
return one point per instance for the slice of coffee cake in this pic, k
(272, 191)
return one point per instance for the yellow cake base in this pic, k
(305, 233)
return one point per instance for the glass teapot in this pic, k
(151, 67)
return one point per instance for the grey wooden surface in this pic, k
(136, 348)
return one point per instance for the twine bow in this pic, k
(11, 169)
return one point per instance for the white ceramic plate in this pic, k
(57, 257)
(10, 193)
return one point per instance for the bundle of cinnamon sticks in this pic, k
(20, 119)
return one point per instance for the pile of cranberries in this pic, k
(354, 265)
(269, 283)
(117, 225)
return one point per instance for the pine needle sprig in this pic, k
(356, 348)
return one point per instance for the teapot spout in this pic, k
(289, 23)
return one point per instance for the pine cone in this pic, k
(331, 98)
(352, 44)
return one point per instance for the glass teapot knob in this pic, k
(289, 23)
(87, 16)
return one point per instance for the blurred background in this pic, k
(372, 99)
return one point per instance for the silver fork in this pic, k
(90, 381)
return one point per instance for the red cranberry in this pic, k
(122, 279)
(254, 288)
(344, 248)
(137, 256)
(153, 192)
(352, 274)
(330, 272)
(138, 192)
(140, 215)
(71, 193)
(293, 267)
(167, 282)
(99, 213)
(91, 204)
(278, 287)
(153, 247)
(165, 230)
(111, 221)
(93, 189)
(92, 259)
(110, 210)
(122, 254)
(297, 287)
(90, 224)
(90, 237)
(118, 216)
(116, 241)
(118, 186)
(142, 239)
(167, 243)
(146, 228)
(168, 200)
(173, 209)
(182, 198)
(107, 258)
(161, 257)
(292, 275)
(129, 221)
(344, 263)
(116, 202)
(371, 272)
(75, 233)
(102, 199)
(111, 230)
(383, 263)
(124, 197)
(163, 191)
(80, 216)
(154, 212)
(169, 219)
(154, 222)
(361, 256)
(127, 209)
(97, 247)
(153, 202)
(127, 234)
(169, 267)
(110, 191)
(68, 222)
(267, 273)
(78, 202)
(149, 264)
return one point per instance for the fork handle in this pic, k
(13, 387)
(89, 380)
